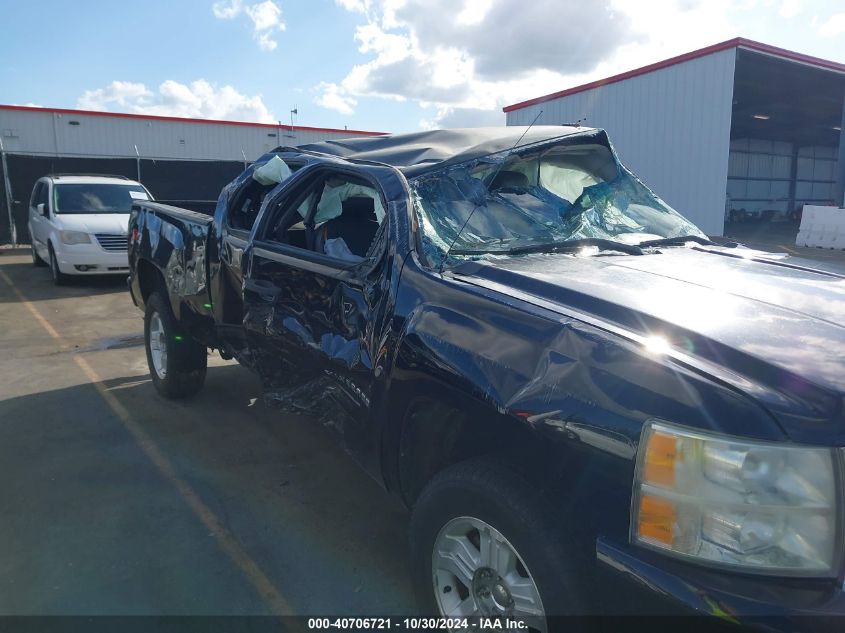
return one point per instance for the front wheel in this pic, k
(36, 258)
(177, 362)
(484, 544)
(59, 278)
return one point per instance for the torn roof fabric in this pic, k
(421, 152)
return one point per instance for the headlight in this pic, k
(754, 506)
(74, 237)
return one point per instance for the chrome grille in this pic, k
(112, 241)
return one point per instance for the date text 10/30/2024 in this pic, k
(415, 624)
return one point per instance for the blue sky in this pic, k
(386, 65)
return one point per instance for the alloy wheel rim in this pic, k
(476, 571)
(158, 345)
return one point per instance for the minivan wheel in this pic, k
(36, 258)
(177, 362)
(484, 544)
(59, 278)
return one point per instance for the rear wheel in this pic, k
(59, 278)
(36, 258)
(485, 544)
(177, 362)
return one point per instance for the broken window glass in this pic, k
(572, 190)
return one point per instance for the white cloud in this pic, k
(358, 6)
(266, 19)
(507, 38)
(266, 42)
(335, 98)
(265, 16)
(473, 12)
(227, 10)
(834, 25)
(673, 27)
(199, 99)
(489, 53)
(121, 93)
(464, 117)
(790, 8)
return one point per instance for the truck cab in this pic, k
(563, 378)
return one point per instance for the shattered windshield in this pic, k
(503, 203)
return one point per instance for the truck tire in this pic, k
(177, 362)
(483, 543)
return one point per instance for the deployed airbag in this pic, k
(331, 202)
(272, 172)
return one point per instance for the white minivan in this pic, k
(78, 223)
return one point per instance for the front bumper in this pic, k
(91, 259)
(651, 584)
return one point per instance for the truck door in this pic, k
(315, 301)
(238, 210)
(241, 213)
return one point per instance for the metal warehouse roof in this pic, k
(154, 117)
(738, 42)
(419, 152)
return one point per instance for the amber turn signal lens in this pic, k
(656, 520)
(660, 458)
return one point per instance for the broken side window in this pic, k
(263, 179)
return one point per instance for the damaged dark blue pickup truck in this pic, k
(589, 406)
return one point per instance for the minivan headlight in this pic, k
(755, 506)
(74, 237)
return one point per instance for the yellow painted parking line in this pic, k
(226, 540)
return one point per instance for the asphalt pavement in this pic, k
(115, 501)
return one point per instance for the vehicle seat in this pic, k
(514, 187)
(509, 180)
(356, 224)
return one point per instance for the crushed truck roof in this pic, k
(421, 152)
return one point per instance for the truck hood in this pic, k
(114, 223)
(774, 323)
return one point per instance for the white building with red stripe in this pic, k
(181, 160)
(62, 132)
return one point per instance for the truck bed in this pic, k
(175, 241)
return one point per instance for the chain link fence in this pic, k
(193, 184)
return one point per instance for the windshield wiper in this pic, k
(574, 245)
(677, 241)
(558, 247)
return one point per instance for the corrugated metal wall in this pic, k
(63, 134)
(760, 172)
(671, 127)
(193, 184)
